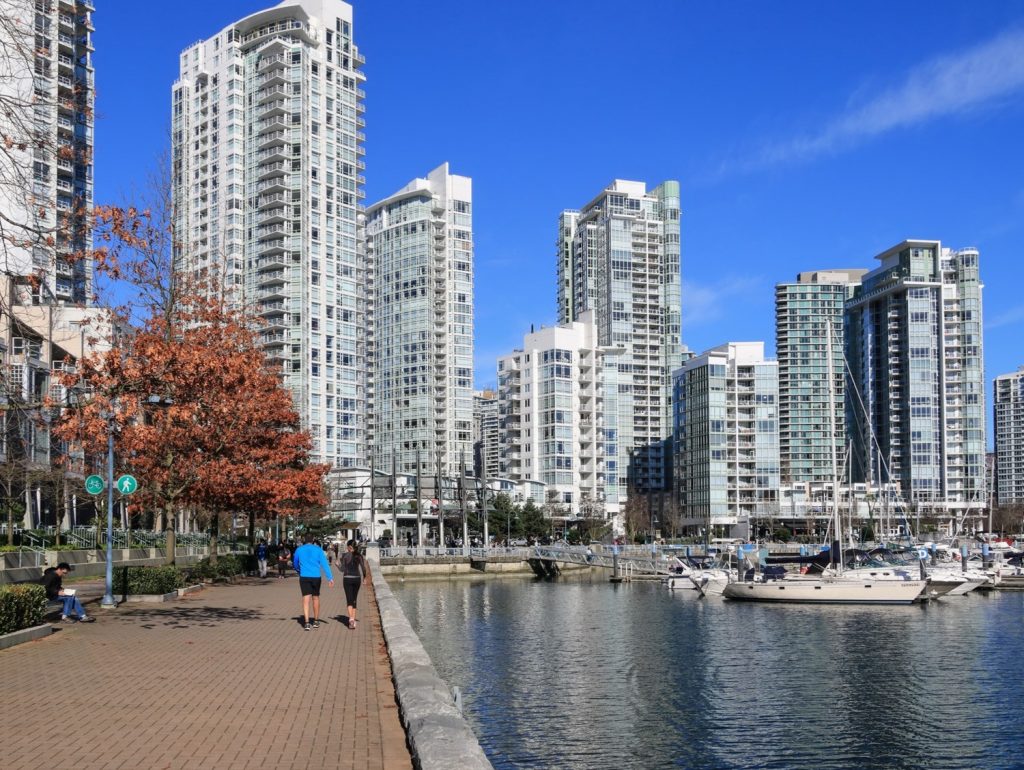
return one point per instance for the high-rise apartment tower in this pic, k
(421, 242)
(552, 410)
(267, 160)
(916, 403)
(1009, 426)
(726, 439)
(46, 127)
(619, 257)
(804, 311)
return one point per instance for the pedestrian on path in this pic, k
(53, 581)
(261, 557)
(309, 560)
(284, 555)
(355, 570)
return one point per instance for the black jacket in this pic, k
(52, 582)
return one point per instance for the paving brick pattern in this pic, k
(226, 678)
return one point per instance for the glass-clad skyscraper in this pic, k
(916, 411)
(619, 257)
(267, 120)
(421, 242)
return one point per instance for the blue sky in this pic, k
(805, 135)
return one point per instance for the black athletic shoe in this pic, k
(307, 626)
(316, 624)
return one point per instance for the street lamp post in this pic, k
(108, 593)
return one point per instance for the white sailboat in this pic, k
(840, 587)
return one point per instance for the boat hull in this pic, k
(827, 591)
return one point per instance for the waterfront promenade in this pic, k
(223, 678)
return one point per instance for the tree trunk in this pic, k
(169, 532)
(214, 532)
(252, 533)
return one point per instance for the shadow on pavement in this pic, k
(185, 617)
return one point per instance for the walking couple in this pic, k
(310, 562)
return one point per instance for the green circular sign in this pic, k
(127, 484)
(94, 484)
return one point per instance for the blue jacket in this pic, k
(309, 559)
(261, 551)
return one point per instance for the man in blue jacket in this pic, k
(309, 559)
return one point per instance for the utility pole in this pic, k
(419, 502)
(373, 499)
(440, 503)
(483, 511)
(394, 497)
(462, 502)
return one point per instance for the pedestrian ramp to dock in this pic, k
(545, 561)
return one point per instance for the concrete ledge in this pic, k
(147, 598)
(190, 589)
(25, 635)
(438, 736)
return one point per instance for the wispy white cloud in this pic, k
(706, 303)
(948, 85)
(1009, 317)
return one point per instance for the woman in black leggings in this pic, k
(354, 569)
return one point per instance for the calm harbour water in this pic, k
(579, 673)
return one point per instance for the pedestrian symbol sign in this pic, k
(94, 484)
(127, 484)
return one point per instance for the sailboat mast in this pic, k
(832, 439)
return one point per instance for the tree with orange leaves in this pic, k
(202, 419)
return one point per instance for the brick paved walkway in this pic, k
(225, 678)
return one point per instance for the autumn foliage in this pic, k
(202, 419)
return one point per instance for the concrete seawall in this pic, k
(439, 737)
(412, 568)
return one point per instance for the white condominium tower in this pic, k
(420, 241)
(803, 312)
(726, 441)
(619, 257)
(549, 398)
(913, 341)
(46, 147)
(1009, 427)
(267, 155)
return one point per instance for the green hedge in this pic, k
(21, 606)
(147, 580)
(228, 565)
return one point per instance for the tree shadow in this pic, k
(190, 616)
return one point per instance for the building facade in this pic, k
(486, 435)
(266, 167)
(551, 405)
(916, 413)
(618, 257)
(1008, 408)
(804, 311)
(726, 439)
(420, 241)
(47, 99)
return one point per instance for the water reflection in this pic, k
(579, 673)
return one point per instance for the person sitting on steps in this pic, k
(53, 581)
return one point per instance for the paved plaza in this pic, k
(224, 678)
